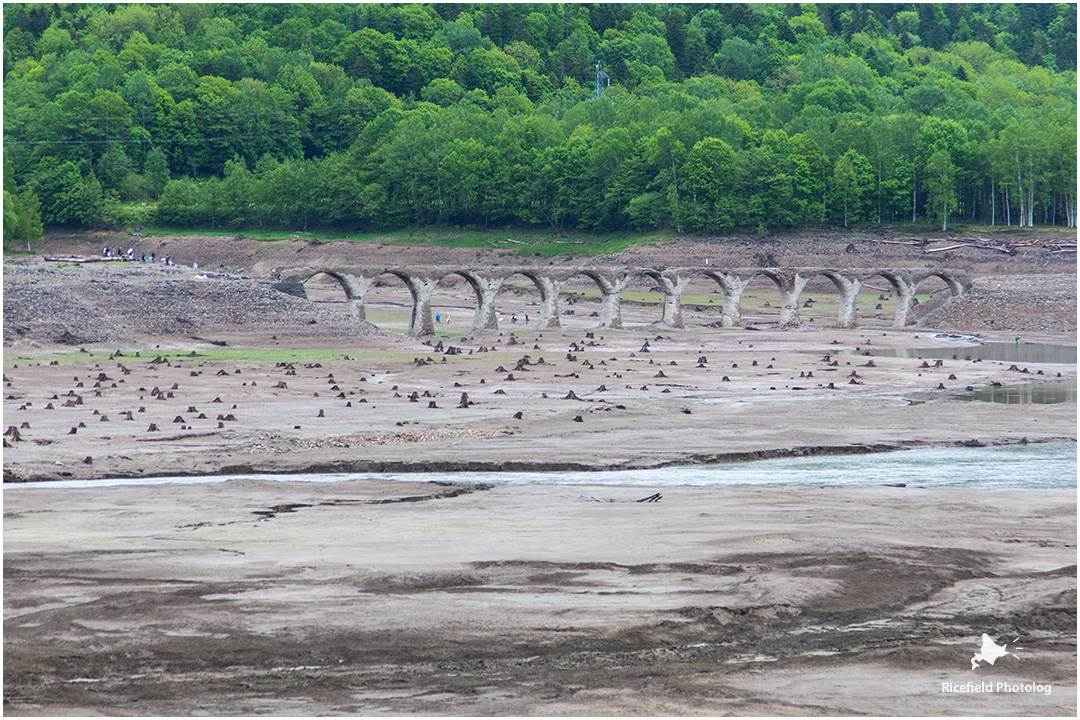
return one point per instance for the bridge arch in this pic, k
(421, 286)
(354, 305)
(847, 286)
(611, 284)
(484, 288)
(486, 282)
(957, 282)
(670, 317)
(732, 284)
(549, 286)
(790, 283)
(904, 286)
(355, 285)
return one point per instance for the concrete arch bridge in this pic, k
(422, 280)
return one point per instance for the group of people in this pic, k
(119, 254)
(439, 317)
(129, 256)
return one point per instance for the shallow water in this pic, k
(1041, 465)
(1001, 352)
(1047, 393)
(1019, 394)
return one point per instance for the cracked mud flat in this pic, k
(375, 597)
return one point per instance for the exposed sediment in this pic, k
(566, 400)
(250, 597)
(372, 597)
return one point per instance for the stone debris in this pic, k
(90, 304)
(286, 445)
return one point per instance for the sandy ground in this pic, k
(305, 387)
(605, 401)
(386, 598)
(369, 597)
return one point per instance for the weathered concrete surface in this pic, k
(291, 598)
(485, 282)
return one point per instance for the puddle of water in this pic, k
(1047, 393)
(1019, 394)
(1001, 352)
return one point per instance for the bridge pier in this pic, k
(791, 286)
(549, 299)
(673, 285)
(486, 288)
(611, 287)
(421, 287)
(905, 296)
(732, 286)
(356, 286)
(849, 291)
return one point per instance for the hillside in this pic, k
(576, 117)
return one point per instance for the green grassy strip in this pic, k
(269, 235)
(518, 241)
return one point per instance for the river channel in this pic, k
(1034, 466)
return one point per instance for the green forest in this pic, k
(705, 117)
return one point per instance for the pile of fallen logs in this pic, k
(981, 243)
(1062, 248)
(1009, 248)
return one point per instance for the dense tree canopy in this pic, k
(388, 115)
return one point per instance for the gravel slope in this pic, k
(1026, 303)
(108, 303)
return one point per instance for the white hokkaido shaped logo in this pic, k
(990, 652)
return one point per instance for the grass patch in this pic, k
(515, 241)
(387, 318)
(266, 234)
(525, 242)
